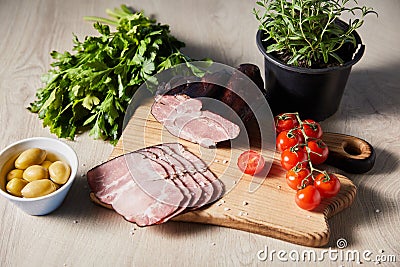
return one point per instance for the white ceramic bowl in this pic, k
(45, 204)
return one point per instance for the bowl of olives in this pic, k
(37, 173)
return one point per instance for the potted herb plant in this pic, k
(309, 52)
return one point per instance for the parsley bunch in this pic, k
(92, 88)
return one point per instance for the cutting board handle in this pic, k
(349, 153)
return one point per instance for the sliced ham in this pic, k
(179, 151)
(188, 198)
(147, 210)
(185, 168)
(136, 187)
(182, 117)
(183, 180)
(225, 86)
(154, 184)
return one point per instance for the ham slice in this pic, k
(180, 152)
(188, 198)
(154, 184)
(182, 117)
(185, 168)
(183, 180)
(136, 187)
(225, 86)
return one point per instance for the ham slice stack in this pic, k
(182, 117)
(153, 184)
(178, 104)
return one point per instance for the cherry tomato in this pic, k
(328, 186)
(288, 139)
(295, 177)
(318, 151)
(291, 156)
(312, 129)
(284, 122)
(308, 198)
(251, 162)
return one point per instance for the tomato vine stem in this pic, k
(300, 165)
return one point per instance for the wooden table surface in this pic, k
(82, 234)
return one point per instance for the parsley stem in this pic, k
(103, 20)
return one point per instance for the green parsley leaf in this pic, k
(92, 87)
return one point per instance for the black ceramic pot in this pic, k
(314, 93)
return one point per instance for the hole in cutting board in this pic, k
(352, 149)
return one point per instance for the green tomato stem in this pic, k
(308, 150)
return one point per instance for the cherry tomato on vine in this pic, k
(308, 198)
(328, 186)
(318, 151)
(312, 128)
(251, 162)
(295, 177)
(291, 156)
(287, 139)
(285, 121)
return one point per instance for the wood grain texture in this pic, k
(83, 234)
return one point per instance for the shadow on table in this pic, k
(372, 95)
(369, 206)
(385, 163)
(366, 209)
(212, 51)
(178, 230)
(371, 92)
(77, 205)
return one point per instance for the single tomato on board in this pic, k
(251, 162)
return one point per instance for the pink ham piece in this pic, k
(202, 189)
(154, 184)
(141, 192)
(178, 151)
(182, 117)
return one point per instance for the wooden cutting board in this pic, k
(269, 210)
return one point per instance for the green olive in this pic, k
(38, 188)
(59, 172)
(46, 164)
(51, 156)
(16, 173)
(35, 172)
(14, 186)
(32, 156)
